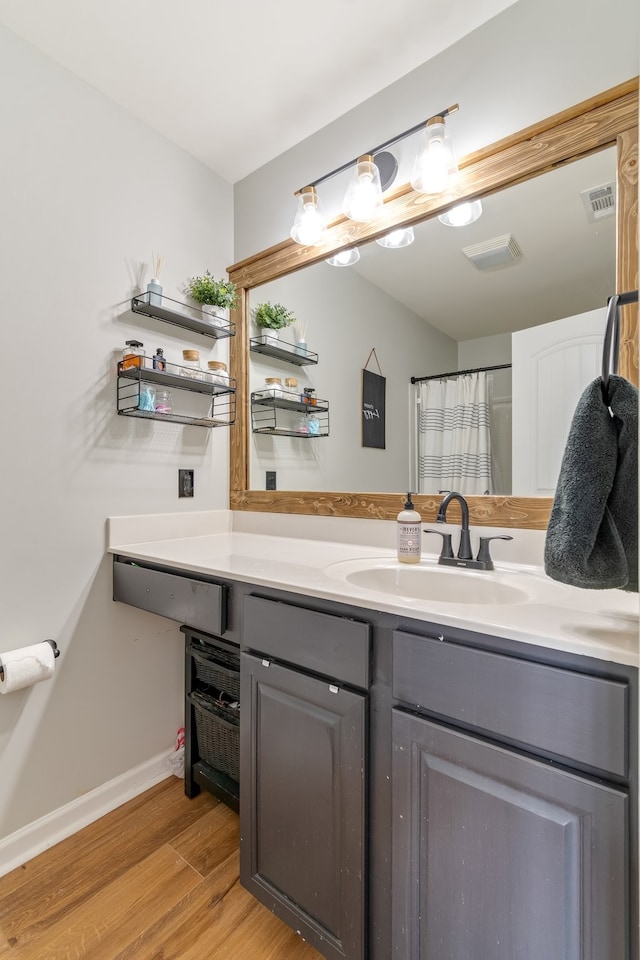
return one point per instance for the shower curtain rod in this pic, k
(460, 373)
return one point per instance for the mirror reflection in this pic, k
(541, 252)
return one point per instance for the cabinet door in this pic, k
(302, 803)
(497, 856)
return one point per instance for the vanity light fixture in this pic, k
(344, 258)
(363, 198)
(433, 170)
(462, 214)
(397, 238)
(435, 164)
(309, 223)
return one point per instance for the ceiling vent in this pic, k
(499, 252)
(599, 202)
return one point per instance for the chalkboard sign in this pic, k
(373, 410)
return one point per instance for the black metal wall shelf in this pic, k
(272, 414)
(130, 380)
(174, 380)
(271, 347)
(172, 311)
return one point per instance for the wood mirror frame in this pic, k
(605, 120)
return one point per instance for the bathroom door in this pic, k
(551, 366)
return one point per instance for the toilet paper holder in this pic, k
(54, 647)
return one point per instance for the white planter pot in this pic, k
(216, 316)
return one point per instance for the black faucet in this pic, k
(465, 557)
(464, 548)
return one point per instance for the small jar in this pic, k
(291, 387)
(302, 427)
(313, 425)
(132, 355)
(163, 401)
(309, 396)
(273, 386)
(217, 373)
(147, 399)
(191, 365)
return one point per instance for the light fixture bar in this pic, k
(381, 146)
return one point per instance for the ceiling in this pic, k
(236, 84)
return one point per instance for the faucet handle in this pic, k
(447, 549)
(484, 555)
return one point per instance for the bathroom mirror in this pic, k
(606, 125)
(429, 310)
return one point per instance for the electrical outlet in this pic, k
(186, 481)
(271, 480)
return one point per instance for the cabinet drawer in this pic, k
(336, 647)
(195, 602)
(573, 715)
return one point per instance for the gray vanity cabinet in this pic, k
(500, 856)
(303, 772)
(499, 853)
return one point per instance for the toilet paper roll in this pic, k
(26, 666)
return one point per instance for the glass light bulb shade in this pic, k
(435, 165)
(462, 214)
(397, 238)
(363, 198)
(344, 258)
(309, 223)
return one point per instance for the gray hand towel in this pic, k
(592, 537)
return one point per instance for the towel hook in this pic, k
(611, 346)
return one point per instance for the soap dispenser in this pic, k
(409, 533)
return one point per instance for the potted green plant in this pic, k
(272, 317)
(215, 297)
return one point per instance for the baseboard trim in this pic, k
(43, 833)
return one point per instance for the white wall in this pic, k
(484, 351)
(87, 194)
(532, 60)
(342, 330)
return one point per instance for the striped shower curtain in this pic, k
(454, 442)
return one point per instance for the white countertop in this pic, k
(594, 623)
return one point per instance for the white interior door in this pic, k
(551, 366)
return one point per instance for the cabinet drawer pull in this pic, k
(266, 663)
(333, 688)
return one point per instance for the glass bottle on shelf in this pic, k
(154, 291)
(309, 396)
(273, 387)
(291, 387)
(191, 365)
(159, 362)
(217, 373)
(147, 399)
(313, 425)
(163, 401)
(132, 355)
(302, 426)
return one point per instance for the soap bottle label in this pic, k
(409, 539)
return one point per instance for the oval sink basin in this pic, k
(432, 583)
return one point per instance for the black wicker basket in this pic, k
(218, 737)
(214, 671)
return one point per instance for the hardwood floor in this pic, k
(156, 879)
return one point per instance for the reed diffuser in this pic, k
(154, 289)
(300, 329)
